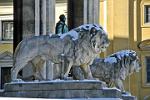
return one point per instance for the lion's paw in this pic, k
(67, 78)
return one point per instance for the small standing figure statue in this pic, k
(61, 27)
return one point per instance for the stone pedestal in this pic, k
(55, 89)
(63, 89)
(1, 93)
(125, 97)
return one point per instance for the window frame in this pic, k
(144, 54)
(2, 27)
(143, 16)
(146, 63)
(143, 5)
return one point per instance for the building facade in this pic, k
(6, 41)
(126, 21)
(128, 26)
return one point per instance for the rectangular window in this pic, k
(148, 68)
(7, 30)
(147, 13)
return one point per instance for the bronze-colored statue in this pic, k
(61, 27)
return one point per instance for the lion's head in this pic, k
(93, 33)
(134, 63)
(127, 62)
(99, 40)
(96, 36)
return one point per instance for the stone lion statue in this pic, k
(113, 69)
(78, 47)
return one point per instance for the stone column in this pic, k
(50, 16)
(75, 13)
(29, 24)
(49, 70)
(33, 17)
(47, 16)
(82, 12)
(28, 18)
(91, 10)
(37, 17)
(47, 27)
(0, 77)
(17, 22)
(43, 17)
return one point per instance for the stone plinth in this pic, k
(1, 93)
(64, 90)
(55, 89)
(125, 97)
(112, 92)
(54, 85)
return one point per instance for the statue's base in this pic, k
(62, 89)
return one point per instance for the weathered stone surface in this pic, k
(125, 97)
(9, 98)
(57, 94)
(64, 90)
(54, 85)
(60, 89)
(112, 92)
(56, 89)
(1, 93)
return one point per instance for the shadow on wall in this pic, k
(119, 43)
